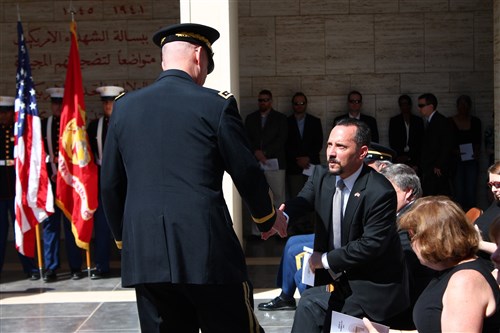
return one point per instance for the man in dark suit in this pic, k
(437, 148)
(368, 261)
(354, 104)
(405, 134)
(267, 131)
(303, 145)
(97, 131)
(167, 148)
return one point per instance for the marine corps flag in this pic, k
(77, 173)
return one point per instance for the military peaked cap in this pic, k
(377, 152)
(192, 33)
(7, 103)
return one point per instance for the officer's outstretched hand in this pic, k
(279, 227)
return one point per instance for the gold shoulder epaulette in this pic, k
(224, 94)
(116, 98)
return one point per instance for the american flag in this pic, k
(34, 198)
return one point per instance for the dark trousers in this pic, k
(311, 310)
(465, 183)
(187, 308)
(51, 242)
(102, 239)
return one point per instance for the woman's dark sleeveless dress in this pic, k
(429, 306)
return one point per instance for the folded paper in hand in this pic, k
(307, 274)
(270, 165)
(345, 323)
(309, 171)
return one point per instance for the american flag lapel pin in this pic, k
(357, 194)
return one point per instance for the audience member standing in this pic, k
(267, 131)
(437, 145)
(97, 131)
(354, 104)
(303, 145)
(52, 225)
(8, 184)
(467, 135)
(405, 133)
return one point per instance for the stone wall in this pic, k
(114, 42)
(383, 48)
(324, 48)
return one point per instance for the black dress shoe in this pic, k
(33, 276)
(50, 276)
(97, 274)
(278, 304)
(76, 275)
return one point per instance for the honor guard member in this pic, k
(8, 184)
(97, 130)
(379, 156)
(167, 148)
(52, 225)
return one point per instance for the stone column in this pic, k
(223, 16)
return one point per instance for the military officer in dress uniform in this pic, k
(97, 130)
(8, 183)
(167, 148)
(52, 225)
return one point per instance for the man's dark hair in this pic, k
(429, 99)
(352, 93)
(404, 98)
(299, 94)
(266, 92)
(363, 135)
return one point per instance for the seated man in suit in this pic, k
(290, 271)
(314, 301)
(356, 240)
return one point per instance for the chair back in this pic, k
(473, 213)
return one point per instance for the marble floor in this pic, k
(101, 306)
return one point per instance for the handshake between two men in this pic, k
(280, 225)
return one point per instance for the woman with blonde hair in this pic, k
(464, 296)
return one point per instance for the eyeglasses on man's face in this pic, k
(263, 100)
(355, 101)
(422, 105)
(299, 103)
